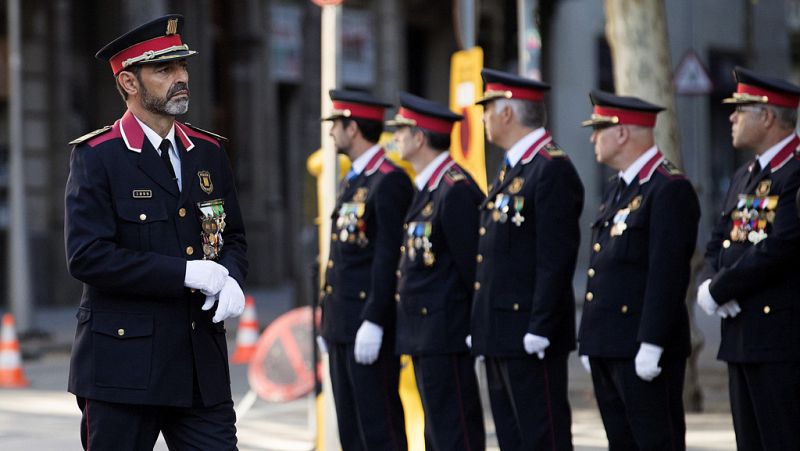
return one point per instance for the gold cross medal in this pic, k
(212, 221)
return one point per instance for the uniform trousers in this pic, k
(368, 408)
(765, 402)
(130, 427)
(449, 390)
(640, 415)
(529, 402)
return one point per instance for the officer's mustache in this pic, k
(176, 88)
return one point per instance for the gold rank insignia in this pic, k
(205, 181)
(427, 210)
(172, 27)
(516, 185)
(636, 202)
(554, 151)
(360, 195)
(763, 187)
(671, 168)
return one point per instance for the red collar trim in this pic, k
(375, 162)
(132, 132)
(650, 167)
(784, 155)
(439, 172)
(534, 149)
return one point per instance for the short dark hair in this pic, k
(370, 130)
(437, 141)
(136, 70)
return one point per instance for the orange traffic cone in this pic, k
(247, 334)
(10, 360)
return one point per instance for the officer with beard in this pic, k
(154, 231)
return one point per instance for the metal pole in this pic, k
(529, 40)
(330, 76)
(467, 17)
(19, 284)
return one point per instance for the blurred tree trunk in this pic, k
(637, 35)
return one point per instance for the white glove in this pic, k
(729, 309)
(704, 298)
(586, 365)
(231, 301)
(323, 347)
(468, 341)
(206, 276)
(535, 344)
(647, 361)
(368, 342)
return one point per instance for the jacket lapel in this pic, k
(188, 170)
(151, 164)
(420, 200)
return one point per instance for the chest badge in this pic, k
(516, 185)
(620, 225)
(763, 188)
(142, 194)
(361, 195)
(427, 210)
(205, 181)
(636, 202)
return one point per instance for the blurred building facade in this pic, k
(256, 81)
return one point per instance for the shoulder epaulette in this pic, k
(219, 137)
(670, 168)
(554, 151)
(90, 135)
(454, 175)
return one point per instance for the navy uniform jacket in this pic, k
(526, 261)
(129, 232)
(437, 267)
(360, 279)
(640, 265)
(759, 273)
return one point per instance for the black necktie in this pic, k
(621, 185)
(164, 148)
(755, 169)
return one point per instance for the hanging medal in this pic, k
(427, 255)
(518, 219)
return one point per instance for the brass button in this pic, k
(767, 310)
(490, 206)
(182, 212)
(397, 297)
(142, 217)
(515, 307)
(328, 289)
(405, 226)
(330, 263)
(194, 325)
(596, 247)
(362, 294)
(477, 285)
(589, 296)
(726, 244)
(482, 231)
(624, 309)
(605, 224)
(590, 272)
(189, 250)
(398, 273)
(479, 258)
(193, 290)
(424, 311)
(402, 249)
(333, 237)
(121, 332)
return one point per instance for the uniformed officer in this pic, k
(358, 307)
(436, 276)
(634, 326)
(750, 274)
(523, 317)
(154, 232)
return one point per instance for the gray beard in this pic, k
(164, 106)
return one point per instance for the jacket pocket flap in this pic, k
(123, 325)
(141, 211)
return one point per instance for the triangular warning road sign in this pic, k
(691, 77)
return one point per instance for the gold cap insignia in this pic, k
(172, 26)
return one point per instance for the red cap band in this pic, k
(517, 92)
(776, 98)
(360, 110)
(139, 49)
(632, 117)
(433, 124)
